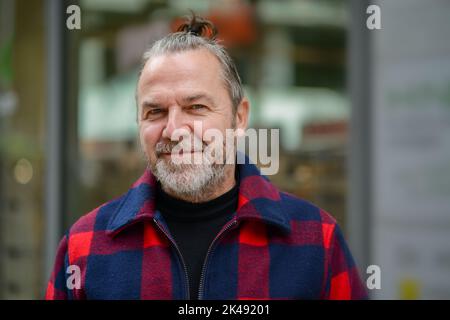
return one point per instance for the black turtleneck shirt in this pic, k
(194, 226)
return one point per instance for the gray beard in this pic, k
(192, 182)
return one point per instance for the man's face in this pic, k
(174, 91)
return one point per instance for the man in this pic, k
(208, 230)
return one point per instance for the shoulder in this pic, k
(300, 209)
(309, 223)
(88, 228)
(96, 219)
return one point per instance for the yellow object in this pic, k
(409, 289)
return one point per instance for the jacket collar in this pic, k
(258, 200)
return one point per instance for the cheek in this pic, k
(219, 123)
(149, 136)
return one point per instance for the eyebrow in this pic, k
(185, 100)
(195, 97)
(150, 104)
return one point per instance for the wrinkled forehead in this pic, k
(192, 68)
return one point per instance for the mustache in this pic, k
(167, 147)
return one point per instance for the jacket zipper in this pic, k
(179, 254)
(228, 226)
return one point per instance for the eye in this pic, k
(197, 107)
(155, 111)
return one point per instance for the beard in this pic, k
(189, 181)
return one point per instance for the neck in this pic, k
(212, 192)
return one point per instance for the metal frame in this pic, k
(360, 157)
(54, 139)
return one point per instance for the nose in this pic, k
(175, 126)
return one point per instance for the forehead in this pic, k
(197, 70)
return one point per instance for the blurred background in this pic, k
(364, 119)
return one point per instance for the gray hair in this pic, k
(191, 39)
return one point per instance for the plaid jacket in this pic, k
(276, 246)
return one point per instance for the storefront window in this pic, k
(290, 55)
(293, 69)
(22, 154)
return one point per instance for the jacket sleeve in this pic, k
(343, 281)
(56, 287)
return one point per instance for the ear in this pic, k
(242, 114)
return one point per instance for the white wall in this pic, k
(410, 147)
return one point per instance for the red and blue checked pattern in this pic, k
(276, 246)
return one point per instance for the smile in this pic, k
(180, 153)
